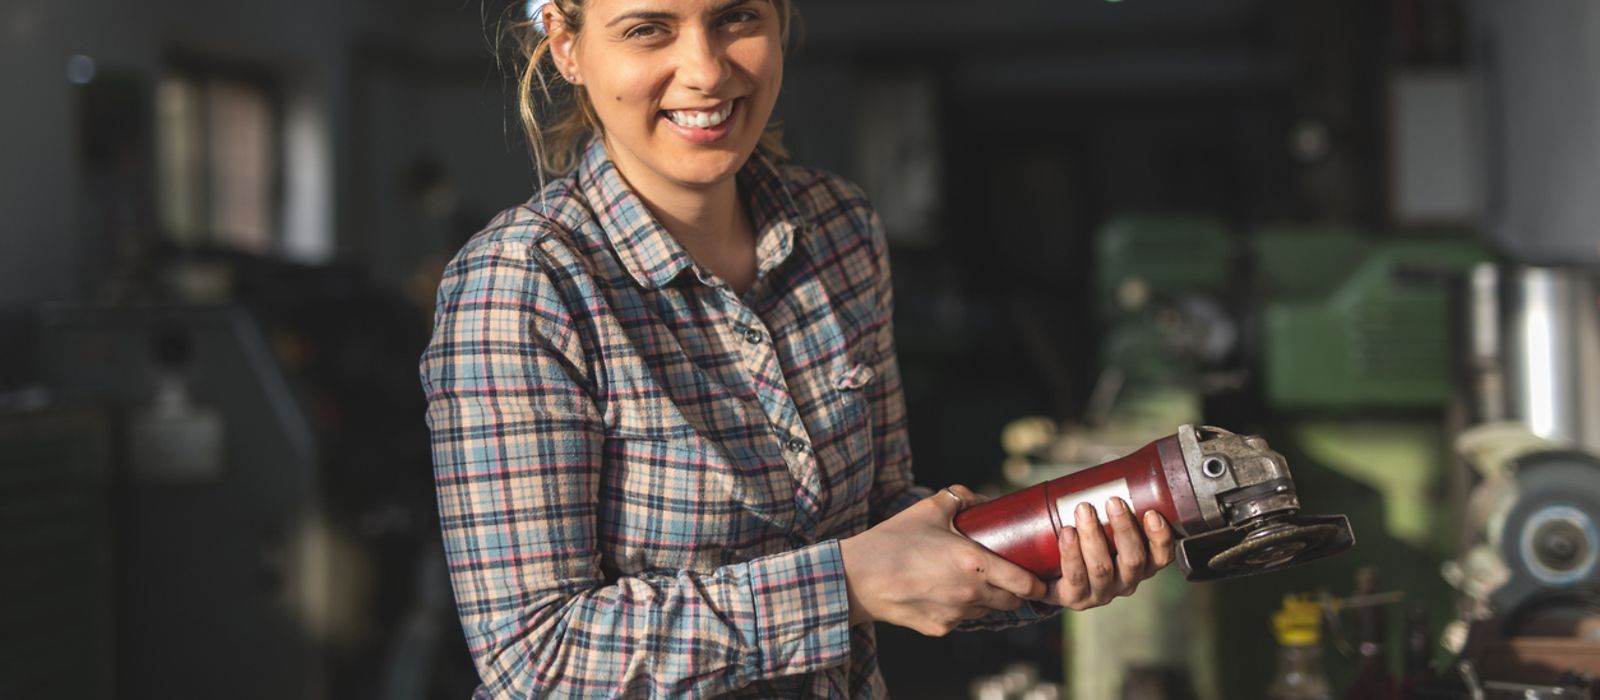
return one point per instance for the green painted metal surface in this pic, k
(1379, 338)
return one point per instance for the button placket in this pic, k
(783, 414)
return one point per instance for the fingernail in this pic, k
(1068, 535)
(1153, 521)
(1116, 506)
(1085, 510)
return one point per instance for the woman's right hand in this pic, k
(915, 571)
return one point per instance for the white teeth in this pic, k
(698, 119)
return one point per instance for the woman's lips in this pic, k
(704, 135)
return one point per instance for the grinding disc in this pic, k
(1282, 542)
(1274, 546)
(1549, 537)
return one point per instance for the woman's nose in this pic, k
(702, 66)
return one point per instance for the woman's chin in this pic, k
(706, 169)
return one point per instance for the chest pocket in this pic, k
(847, 461)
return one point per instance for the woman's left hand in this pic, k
(1092, 574)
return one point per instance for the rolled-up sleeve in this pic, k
(517, 434)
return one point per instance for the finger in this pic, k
(1000, 601)
(1072, 589)
(981, 596)
(1096, 554)
(987, 579)
(1159, 533)
(1014, 580)
(1131, 555)
(944, 503)
(968, 498)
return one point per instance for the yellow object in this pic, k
(1299, 622)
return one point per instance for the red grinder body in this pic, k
(1229, 499)
(1023, 526)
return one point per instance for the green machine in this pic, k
(1356, 360)
(1342, 341)
(1162, 291)
(1355, 324)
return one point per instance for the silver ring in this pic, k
(960, 504)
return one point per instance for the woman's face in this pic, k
(683, 88)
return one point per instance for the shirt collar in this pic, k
(651, 255)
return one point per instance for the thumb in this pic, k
(953, 499)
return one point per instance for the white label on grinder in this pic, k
(1097, 497)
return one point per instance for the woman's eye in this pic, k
(740, 17)
(644, 31)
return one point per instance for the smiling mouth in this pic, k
(701, 119)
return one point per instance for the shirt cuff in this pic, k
(802, 608)
(1031, 611)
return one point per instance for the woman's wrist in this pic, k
(854, 576)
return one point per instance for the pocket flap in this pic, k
(856, 377)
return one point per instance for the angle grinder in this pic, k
(1229, 498)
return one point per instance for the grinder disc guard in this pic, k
(1268, 545)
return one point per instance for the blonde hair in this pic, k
(558, 117)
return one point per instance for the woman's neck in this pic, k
(697, 217)
(709, 222)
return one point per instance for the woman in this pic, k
(669, 435)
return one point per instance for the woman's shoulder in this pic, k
(822, 189)
(534, 249)
(543, 231)
(531, 223)
(839, 208)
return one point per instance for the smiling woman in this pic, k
(555, 143)
(669, 433)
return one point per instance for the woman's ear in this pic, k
(562, 43)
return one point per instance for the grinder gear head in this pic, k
(1228, 496)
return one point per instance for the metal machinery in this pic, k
(206, 513)
(1335, 343)
(1358, 355)
(271, 512)
(56, 630)
(1529, 609)
(1528, 576)
(1169, 334)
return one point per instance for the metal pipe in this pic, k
(1486, 361)
(1553, 353)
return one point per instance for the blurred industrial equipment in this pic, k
(57, 532)
(1168, 335)
(1337, 343)
(216, 498)
(267, 512)
(1528, 575)
(1529, 610)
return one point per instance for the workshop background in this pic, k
(1368, 231)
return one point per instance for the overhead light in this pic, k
(80, 69)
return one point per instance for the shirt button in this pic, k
(796, 445)
(753, 336)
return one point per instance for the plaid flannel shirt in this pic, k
(643, 476)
